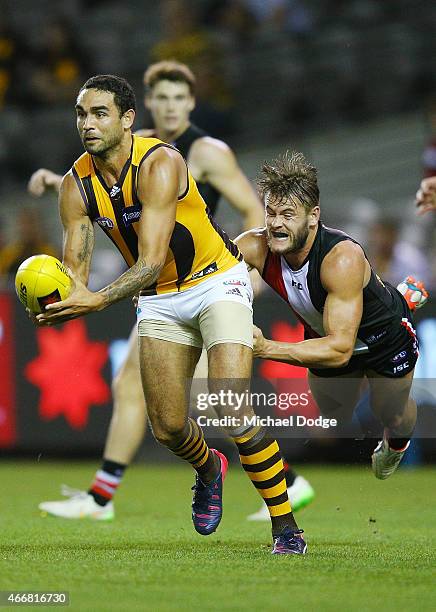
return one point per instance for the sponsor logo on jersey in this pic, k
(297, 284)
(132, 214)
(115, 191)
(207, 270)
(376, 337)
(105, 222)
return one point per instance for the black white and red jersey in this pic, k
(383, 306)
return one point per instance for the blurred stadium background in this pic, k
(351, 84)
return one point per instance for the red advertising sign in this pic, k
(68, 373)
(7, 370)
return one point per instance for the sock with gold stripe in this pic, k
(261, 459)
(194, 449)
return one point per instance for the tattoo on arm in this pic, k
(139, 276)
(86, 243)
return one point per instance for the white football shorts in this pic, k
(216, 311)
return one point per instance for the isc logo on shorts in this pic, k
(401, 368)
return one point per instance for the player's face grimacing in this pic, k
(98, 120)
(287, 226)
(170, 104)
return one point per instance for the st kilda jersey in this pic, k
(385, 317)
(183, 144)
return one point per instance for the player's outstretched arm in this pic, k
(218, 166)
(78, 245)
(342, 276)
(43, 179)
(78, 239)
(426, 195)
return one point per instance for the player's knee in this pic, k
(118, 383)
(170, 433)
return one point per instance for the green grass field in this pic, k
(372, 545)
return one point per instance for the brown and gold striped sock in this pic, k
(261, 459)
(195, 450)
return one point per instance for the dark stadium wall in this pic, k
(55, 392)
(8, 432)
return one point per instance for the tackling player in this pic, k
(356, 326)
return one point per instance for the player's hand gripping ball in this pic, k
(41, 280)
(413, 292)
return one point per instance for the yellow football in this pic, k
(41, 280)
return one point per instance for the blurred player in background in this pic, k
(390, 253)
(30, 238)
(170, 90)
(429, 154)
(356, 326)
(426, 195)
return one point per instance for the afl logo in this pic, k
(105, 222)
(399, 357)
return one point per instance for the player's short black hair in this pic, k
(290, 177)
(124, 96)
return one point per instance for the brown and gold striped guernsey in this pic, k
(198, 248)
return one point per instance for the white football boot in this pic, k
(385, 460)
(300, 494)
(80, 505)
